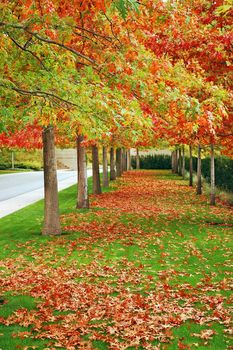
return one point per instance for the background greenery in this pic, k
(153, 162)
(223, 168)
(223, 171)
(23, 159)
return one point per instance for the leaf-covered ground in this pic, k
(148, 267)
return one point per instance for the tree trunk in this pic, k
(183, 162)
(51, 206)
(12, 160)
(118, 162)
(173, 161)
(105, 168)
(124, 164)
(82, 198)
(95, 171)
(128, 160)
(180, 163)
(176, 162)
(190, 165)
(137, 159)
(199, 184)
(112, 165)
(212, 177)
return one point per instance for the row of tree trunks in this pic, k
(178, 161)
(177, 158)
(51, 207)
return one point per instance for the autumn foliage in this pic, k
(128, 273)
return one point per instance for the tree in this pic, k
(82, 193)
(212, 177)
(105, 167)
(51, 209)
(199, 180)
(45, 41)
(112, 165)
(137, 159)
(95, 170)
(119, 169)
(190, 165)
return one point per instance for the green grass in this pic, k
(13, 171)
(138, 252)
(26, 224)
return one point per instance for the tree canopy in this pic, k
(122, 71)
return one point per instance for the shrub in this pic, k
(23, 159)
(223, 171)
(26, 165)
(157, 161)
(4, 166)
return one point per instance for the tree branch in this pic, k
(23, 48)
(53, 42)
(225, 135)
(48, 41)
(107, 38)
(39, 93)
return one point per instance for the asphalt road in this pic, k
(21, 189)
(13, 185)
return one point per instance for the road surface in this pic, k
(21, 189)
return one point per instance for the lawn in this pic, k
(13, 171)
(148, 267)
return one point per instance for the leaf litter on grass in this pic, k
(127, 275)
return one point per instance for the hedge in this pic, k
(156, 161)
(223, 168)
(27, 165)
(223, 171)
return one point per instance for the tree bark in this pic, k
(95, 171)
(190, 165)
(128, 160)
(183, 162)
(82, 197)
(112, 165)
(180, 163)
(118, 162)
(124, 164)
(176, 162)
(105, 168)
(137, 159)
(173, 161)
(212, 176)
(199, 184)
(51, 206)
(12, 160)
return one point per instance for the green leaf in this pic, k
(124, 6)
